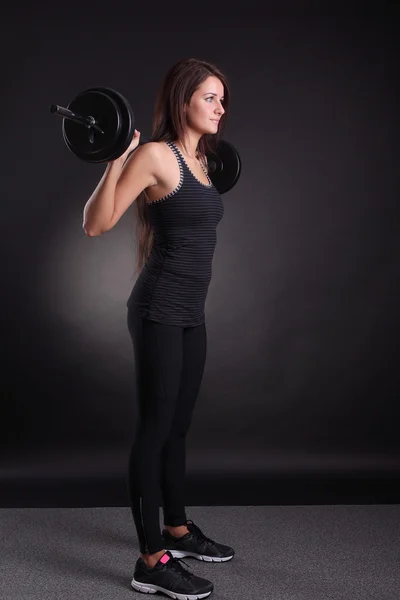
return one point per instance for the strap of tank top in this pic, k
(176, 152)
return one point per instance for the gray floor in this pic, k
(282, 553)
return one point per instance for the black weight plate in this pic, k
(228, 166)
(127, 123)
(103, 108)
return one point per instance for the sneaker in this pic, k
(196, 545)
(170, 577)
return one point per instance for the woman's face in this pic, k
(206, 106)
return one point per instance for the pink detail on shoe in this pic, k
(164, 558)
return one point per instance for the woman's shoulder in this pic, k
(157, 149)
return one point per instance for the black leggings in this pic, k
(169, 366)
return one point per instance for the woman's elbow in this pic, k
(91, 232)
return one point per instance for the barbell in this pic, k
(99, 124)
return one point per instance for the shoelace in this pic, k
(185, 573)
(199, 534)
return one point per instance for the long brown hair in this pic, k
(169, 122)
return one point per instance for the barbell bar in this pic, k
(98, 126)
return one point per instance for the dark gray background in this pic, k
(302, 375)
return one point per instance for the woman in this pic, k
(178, 210)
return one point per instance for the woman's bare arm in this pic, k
(119, 187)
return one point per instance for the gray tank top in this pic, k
(173, 284)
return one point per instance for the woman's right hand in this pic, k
(132, 146)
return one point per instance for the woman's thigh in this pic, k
(158, 353)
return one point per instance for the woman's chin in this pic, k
(211, 130)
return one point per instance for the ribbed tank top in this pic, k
(173, 284)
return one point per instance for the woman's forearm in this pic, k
(99, 209)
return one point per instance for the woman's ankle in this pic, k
(151, 559)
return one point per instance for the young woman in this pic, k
(178, 210)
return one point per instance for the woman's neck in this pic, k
(189, 145)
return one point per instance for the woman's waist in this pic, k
(179, 269)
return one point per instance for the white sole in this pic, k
(148, 588)
(181, 554)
